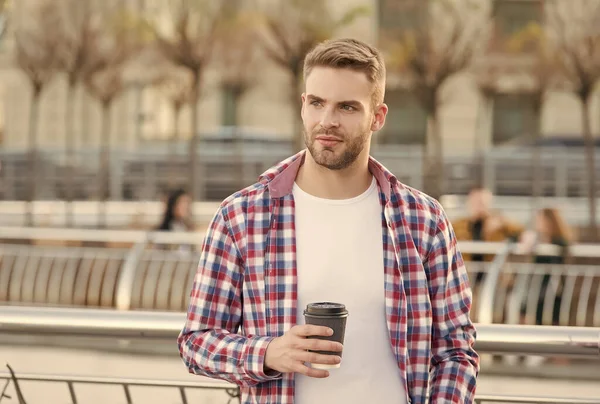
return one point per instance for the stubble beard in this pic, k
(331, 158)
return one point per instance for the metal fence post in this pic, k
(72, 392)
(485, 313)
(127, 394)
(127, 276)
(183, 395)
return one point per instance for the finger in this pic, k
(298, 367)
(312, 357)
(309, 330)
(320, 345)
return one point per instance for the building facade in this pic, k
(142, 115)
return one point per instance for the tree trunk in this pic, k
(104, 183)
(537, 172)
(33, 153)
(477, 141)
(70, 154)
(590, 166)
(85, 119)
(195, 190)
(435, 158)
(173, 142)
(239, 141)
(139, 116)
(297, 126)
(175, 134)
(478, 147)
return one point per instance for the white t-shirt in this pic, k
(340, 259)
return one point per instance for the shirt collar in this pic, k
(280, 179)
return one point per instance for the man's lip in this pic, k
(329, 138)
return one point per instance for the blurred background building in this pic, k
(142, 112)
(99, 99)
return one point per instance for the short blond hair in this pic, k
(350, 54)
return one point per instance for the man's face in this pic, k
(338, 116)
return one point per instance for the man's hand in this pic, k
(288, 353)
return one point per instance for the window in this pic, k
(229, 104)
(512, 16)
(406, 122)
(400, 15)
(513, 117)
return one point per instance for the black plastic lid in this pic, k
(325, 309)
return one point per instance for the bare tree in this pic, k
(535, 67)
(487, 79)
(443, 41)
(103, 76)
(79, 38)
(176, 85)
(237, 61)
(236, 57)
(291, 29)
(574, 26)
(189, 44)
(36, 47)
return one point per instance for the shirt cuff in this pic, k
(254, 360)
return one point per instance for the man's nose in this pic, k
(329, 119)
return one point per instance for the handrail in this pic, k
(202, 384)
(196, 237)
(581, 342)
(67, 234)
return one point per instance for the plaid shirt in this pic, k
(244, 293)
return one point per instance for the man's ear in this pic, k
(379, 117)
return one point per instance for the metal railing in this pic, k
(147, 214)
(232, 392)
(517, 291)
(30, 234)
(122, 215)
(70, 381)
(144, 174)
(155, 270)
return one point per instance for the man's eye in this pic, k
(347, 107)
(315, 103)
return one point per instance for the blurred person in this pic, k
(332, 224)
(484, 224)
(550, 228)
(177, 213)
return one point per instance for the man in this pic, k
(483, 224)
(332, 224)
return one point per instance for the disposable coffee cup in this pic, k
(328, 314)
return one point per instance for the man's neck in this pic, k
(334, 184)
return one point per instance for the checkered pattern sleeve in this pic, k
(454, 362)
(209, 344)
